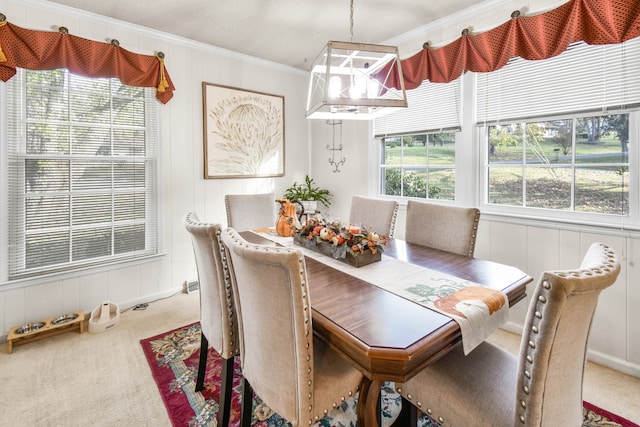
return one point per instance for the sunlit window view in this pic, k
(420, 166)
(83, 171)
(578, 164)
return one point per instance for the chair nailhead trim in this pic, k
(529, 358)
(542, 299)
(523, 404)
(538, 315)
(534, 329)
(522, 419)
(546, 285)
(532, 344)
(527, 374)
(525, 389)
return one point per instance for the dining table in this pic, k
(386, 336)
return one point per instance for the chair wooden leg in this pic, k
(247, 403)
(226, 387)
(379, 410)
(202, 365)
(408, 415)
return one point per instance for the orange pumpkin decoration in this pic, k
(287, 217)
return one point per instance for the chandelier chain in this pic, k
(351, 19)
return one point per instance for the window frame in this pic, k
(630, 221)
(150, 159)
(428, 167)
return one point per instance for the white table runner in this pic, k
(477, 309)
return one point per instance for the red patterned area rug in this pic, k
(173, 360)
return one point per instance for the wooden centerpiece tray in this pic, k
(326, 248)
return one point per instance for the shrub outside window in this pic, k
(419, 166)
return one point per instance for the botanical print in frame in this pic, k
(243, 133)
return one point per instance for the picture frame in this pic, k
(243, 133)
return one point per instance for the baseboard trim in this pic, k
(615, 363)
(598, 357)
(124, 305)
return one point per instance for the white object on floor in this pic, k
(104, 317)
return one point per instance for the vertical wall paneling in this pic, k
(70, 295)
(633, 300)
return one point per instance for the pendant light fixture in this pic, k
(351, 81)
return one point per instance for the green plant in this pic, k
(308, 191)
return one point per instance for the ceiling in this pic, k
(291, 32)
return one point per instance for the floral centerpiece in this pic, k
(343, 242)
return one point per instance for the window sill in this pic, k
(48, 278)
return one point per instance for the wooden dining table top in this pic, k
(388, 337)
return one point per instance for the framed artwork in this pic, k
(243, 133)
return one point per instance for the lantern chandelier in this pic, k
(351, 81)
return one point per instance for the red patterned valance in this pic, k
(46, 50)
(530, 37)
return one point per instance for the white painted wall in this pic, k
(183, 188)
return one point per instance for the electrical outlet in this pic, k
(190, 286)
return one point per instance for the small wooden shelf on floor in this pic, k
(34, 331)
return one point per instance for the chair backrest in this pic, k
(379, 214)
(217, 311)
(448, 228)
(276, 336)
(251, 211)
(554, 340)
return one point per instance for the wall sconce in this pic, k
(333, 148)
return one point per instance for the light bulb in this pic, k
(335, 87)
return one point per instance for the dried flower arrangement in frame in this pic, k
(243, 133)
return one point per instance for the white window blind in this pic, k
(431, 107)
(584, 78)
(81, 176)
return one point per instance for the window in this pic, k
(560, 135)
(421, 166)
(81, 172)
(418, 143)
(578, 164)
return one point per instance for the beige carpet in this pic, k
(104, 380)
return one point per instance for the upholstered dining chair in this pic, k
(297, 376)
(541, 387)
(251, 211)
(218, 320)
(448, 228)
(379, 214)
